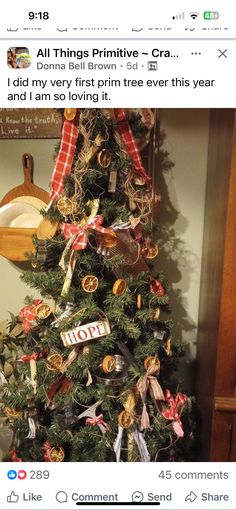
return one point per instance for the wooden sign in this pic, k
(30, 123)
(85, 333)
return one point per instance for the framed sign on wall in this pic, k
(29, 123)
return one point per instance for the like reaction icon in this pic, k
(13, 498)
(12, 474)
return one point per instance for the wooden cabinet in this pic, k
(216, 352)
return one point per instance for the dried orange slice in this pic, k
(12, 413)
(108, 240)
(108, 364)
(43, 311)
(70, 113)
(57, 454)
(54, 362)
(125, 419)
(119, 287)
(65, 206)
(151, 360)
(139, 301)
(104, 158)
(151, 252)
(89, 283)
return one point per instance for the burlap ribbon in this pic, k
(149, 383)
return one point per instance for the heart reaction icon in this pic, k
(22, 474)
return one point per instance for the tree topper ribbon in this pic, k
(28, 314)
(126, 134)
(80, 232)
(176, 403)
(149, 383)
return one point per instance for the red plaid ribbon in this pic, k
(126, 134)
(80, 233)
(175, 405)
(64, 159)
(96, 421)
(27, 313)
(34, 356)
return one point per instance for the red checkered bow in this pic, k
(28, 314)
(80, 233)
(64, 159)
(175, 405)
(126, 134)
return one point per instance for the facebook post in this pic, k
(117, 256)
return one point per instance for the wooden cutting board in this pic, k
(27, 188)
(15, 242)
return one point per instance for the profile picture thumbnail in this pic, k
(18, 58)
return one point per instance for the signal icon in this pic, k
(193, 15)
(181, 15)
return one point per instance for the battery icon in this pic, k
(211, 15)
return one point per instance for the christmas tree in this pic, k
(90, 371)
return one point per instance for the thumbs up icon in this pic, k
(13, 497)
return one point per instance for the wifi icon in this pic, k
(193, 15)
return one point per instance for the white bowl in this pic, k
(28, 199)
(19, 215)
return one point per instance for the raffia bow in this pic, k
(79, 233)
(176, 403)
(149, 383)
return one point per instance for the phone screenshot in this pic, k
(117, 255)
